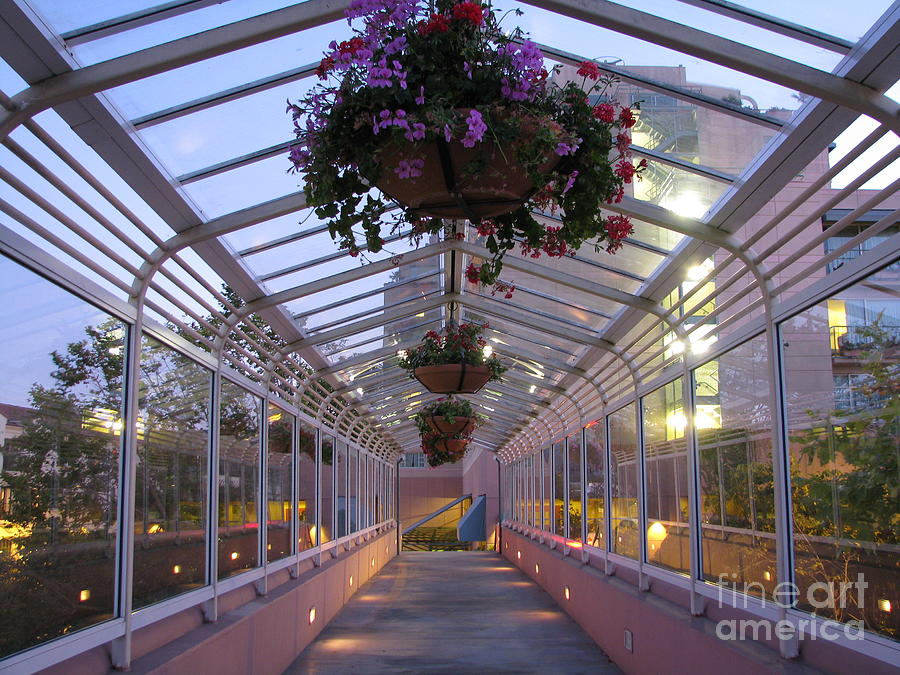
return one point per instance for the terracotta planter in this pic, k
(446, 189)
(461, 425)
(453, 378)
(455, 447)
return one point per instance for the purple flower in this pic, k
(416, 132)
(563, 149)
(477, 127)
(448, 136)
(570, 182)
(468, 69)
(410, 168)
(420, 99)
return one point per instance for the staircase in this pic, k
(433, 539)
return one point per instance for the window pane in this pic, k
(737, 501)
(280, 468)
(595, 496)
(342, 507)
(61, 394)
(845, 451)
(574, 445)
(306, 493)
(623, 478)
(547, 481)
(353, 498)
(170, 503)
(665, 450)
(327, 488)
(239, 440)
(559, 489)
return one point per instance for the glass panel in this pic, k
(595, 486)
(547, 485)
(624, 483)
(239, 445)
(341, 489)
(843, 392)
(280, 468)
(172, 477)
(574, 449)
(536, 487)
(327, 488)
(61, 418)
(733, 424)
(559, 489)
(306, 492)
(665, 473)
(353, 492)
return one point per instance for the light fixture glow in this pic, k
(176, 569)
(884, 605)
(656, 535)
(373, 561)
(312, 614)
(235, 555)
(567, 593)
(351, 581)
(767, 575)
(519, 555)
(537, 568)
(84, 596)
(575, 544)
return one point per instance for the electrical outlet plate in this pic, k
(628, 643)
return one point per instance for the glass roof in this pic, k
(207, 144)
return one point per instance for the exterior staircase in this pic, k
(433, 539)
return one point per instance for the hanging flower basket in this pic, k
(446, 426)
(449, 188)
(434, 105)
(453, 378)
(460, 425)
(455, 361)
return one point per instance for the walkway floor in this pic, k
(452, 612)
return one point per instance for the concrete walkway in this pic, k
(452, 612)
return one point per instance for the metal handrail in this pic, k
(446, 507)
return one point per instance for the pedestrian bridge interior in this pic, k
(206, 442)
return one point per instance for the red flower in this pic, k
(473, 272)
(617, 228)
(589, 70)
(468, 11)
(485, 228)
(437, 23)
(351, 46)
(325, 65)
(623, 143)
(626, 170)
(605, 113)
(627, 118)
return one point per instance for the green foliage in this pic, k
(456, 343)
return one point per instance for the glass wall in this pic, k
(240, 423)
(353, 491)
(573, 443)
(341, 477)
(307, 536)
(842, 381)
(665, 474)
(559, 488)
(61, 411)
(547, 487)
(63, 426)
(733, 427)
(326, 488)
(595, 483)
(280, 473)
(623, 479)
(172, 474)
